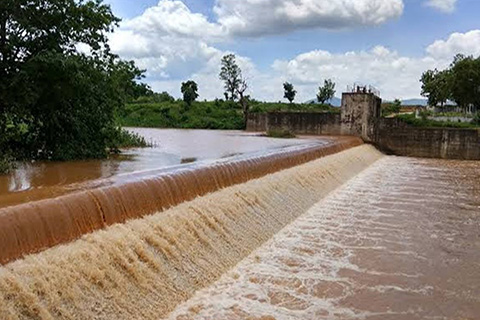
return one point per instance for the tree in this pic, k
(326, 92)
(55, 102)
(189, 90)
(436, 86)
(465, 81)
(231, 75)
(290, 92)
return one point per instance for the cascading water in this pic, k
(43, 224)
(143, 268)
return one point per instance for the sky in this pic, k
(384, 43)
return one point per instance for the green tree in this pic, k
(465, 81)
(189, 91)
(55, 102)
(289, 92)
(436, 86)
(231, 75)
(326, 92)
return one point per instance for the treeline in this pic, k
(163, 111)
(55, 102)
(459, 83)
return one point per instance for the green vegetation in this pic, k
(55, 102)
(391, 108)
(284, 134)
(425, 122)
(162, 111)
(217, 114)
(189, 90)
(289, 92)
(326, 92)
(459, 83)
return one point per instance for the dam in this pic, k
(324, 227)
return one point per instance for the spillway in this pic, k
(400, 241)
(143, 268)
(308, 234)
(37, 225)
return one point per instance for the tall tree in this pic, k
(189, 90)
(289, 92)
(231, 75)
(326, 92)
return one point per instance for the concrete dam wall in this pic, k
(360, 116)
(395, 137)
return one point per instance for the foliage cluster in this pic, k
(55, 102)
(391, 108)
(289, 92)
(326, 92)
(218, 114)
(459, 83)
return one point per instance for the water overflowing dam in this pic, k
(356, 234)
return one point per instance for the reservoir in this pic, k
(170, 148)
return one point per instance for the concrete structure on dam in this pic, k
(361, 116)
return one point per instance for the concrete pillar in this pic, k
(360, 114)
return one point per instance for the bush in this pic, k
(121, 138)
(217, 114)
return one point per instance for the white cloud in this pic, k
(260, 17)
(396, 76)
(393, 74)
(173, 17)
(465, 43)
(168, 40)
(442, 5)
(175, 44)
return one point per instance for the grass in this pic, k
(428, 123)
(284, 134)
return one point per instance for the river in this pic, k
(170, 148)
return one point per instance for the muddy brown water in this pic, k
(401, 241)
(171, 147)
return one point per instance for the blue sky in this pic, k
(368, 41)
